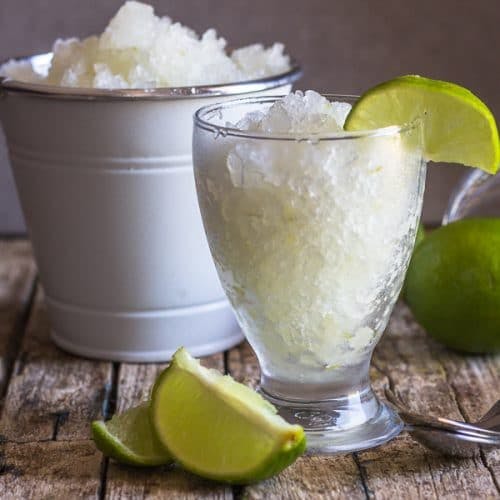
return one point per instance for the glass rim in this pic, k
(225, 130)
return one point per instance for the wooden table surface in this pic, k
(50, 397)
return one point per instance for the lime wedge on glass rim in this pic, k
(457, 126)
(129, 438)
(218, 428)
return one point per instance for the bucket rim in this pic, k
(42, 62)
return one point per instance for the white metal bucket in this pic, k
(106, 185)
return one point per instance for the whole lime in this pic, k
(453, 285)
(419, 237)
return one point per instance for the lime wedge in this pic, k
(220, 429)
(129, 438)
(458, 126)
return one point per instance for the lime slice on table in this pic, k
(220, 429)
(129, 438)
(458, 126)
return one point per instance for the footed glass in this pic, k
(311, 236)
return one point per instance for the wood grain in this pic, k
(159, 483)
(476, 384)
(404, 469)
(55, 470)
(243, 365)
(317, 477)
(431, 380)
(17, 277)
(52, 394)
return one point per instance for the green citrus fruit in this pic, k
(129, 438)
(218, 428)
(453, 285)
(419, 237)
(458, 126)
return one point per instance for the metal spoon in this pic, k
(485, 427)
(491, 420)
(450, 437)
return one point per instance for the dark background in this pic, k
(345, 46)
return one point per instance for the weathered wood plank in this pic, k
(49, 470)
(52, 394)
(243, 365)
(414, 365)
(134, 383)
(309, 477)
(317, 477)
(404, 469)
(161, 482)
(17, 277)
(476, 384)
(409, 358)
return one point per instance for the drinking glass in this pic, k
(311, 235)
(477, 194)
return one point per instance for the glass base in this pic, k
(344, 424)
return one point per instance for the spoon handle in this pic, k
(440, 423)
(492, 418)
(463, 434)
